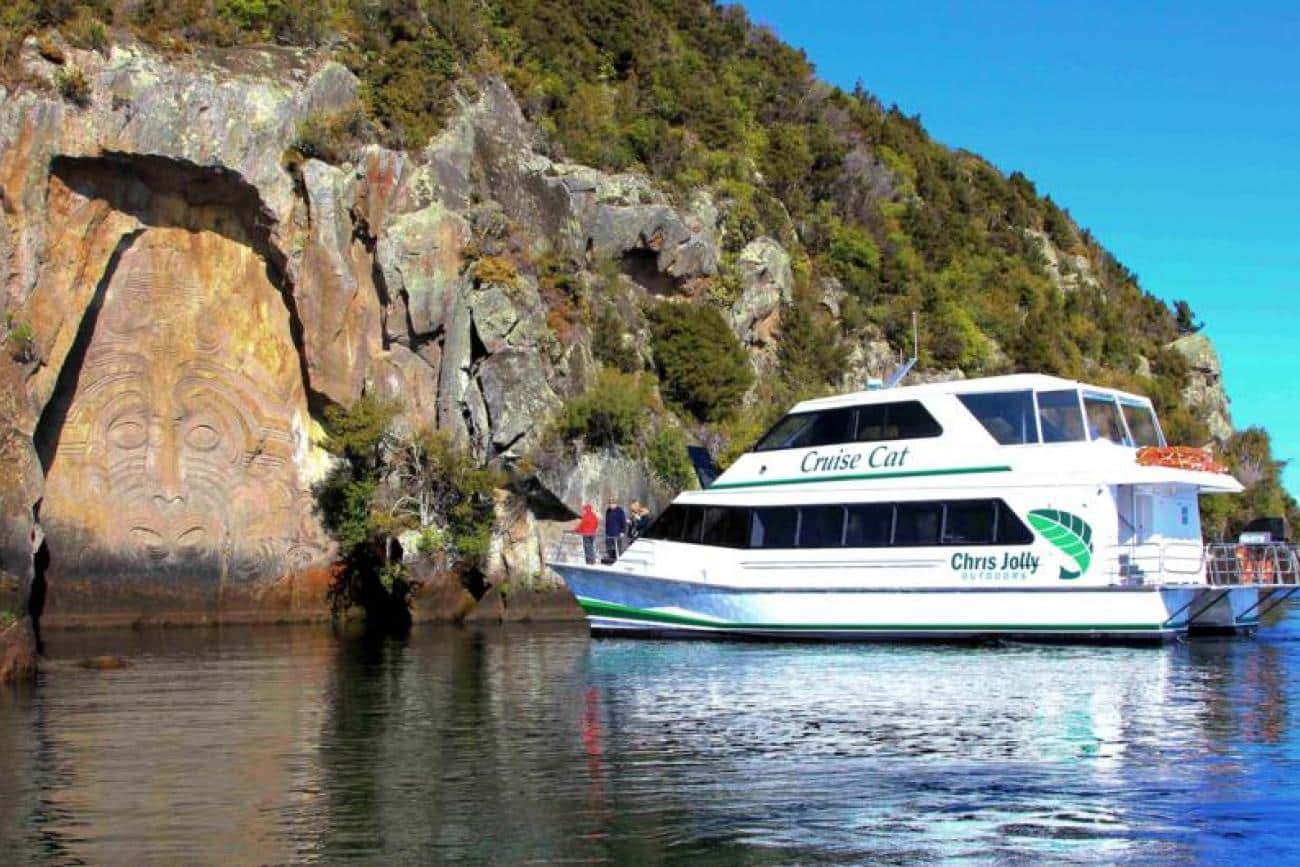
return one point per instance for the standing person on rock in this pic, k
(615, 527)
(588, 525)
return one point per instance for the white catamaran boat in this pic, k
(1022, 505)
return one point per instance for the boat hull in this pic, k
(619, 602)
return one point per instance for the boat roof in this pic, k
(1008, 382)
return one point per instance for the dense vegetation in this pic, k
(389, 482)
(694, 94)
(701, 365)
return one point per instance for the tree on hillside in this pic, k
(1186, 320)
(701, 364)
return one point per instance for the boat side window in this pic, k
(1104, 421)
(974, 522)
(774, 527)
(917, 524)
(786, 430)
(1011, 530)
(693, 526)
(828, 428)
(855, 525)
(1060, 416)
(726, 526)
(1142, 424)
(1008, 416)
(895, 421)
(821, 526)
(668, 525)
(869, 526)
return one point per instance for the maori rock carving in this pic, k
(182, 447)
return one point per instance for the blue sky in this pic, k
(1171, 130)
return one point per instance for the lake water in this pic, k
(539, 744)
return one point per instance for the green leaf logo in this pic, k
(1070, 533)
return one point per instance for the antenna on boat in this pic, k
(897, 376)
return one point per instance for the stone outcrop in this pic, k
(1204, 391)
(768, 282)
(196, 304)
(1068, 271)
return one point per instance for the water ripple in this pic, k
(540, 745)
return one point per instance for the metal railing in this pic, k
(572, 548)
(1267, 564)
(1154, 562)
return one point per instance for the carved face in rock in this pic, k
(179, 442)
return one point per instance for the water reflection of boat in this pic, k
(1091, 752)
(1021, 505)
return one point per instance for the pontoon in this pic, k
(1023, 505)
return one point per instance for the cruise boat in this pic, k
(1023, 505)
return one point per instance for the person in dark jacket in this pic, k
(588, 526)
(615, 527)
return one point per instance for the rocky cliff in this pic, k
(195, 302)
(189, 297)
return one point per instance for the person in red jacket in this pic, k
(588, 526)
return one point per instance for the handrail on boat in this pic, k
(1222, 563)
(571, 550)
(1264, 564)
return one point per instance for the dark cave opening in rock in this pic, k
(36, 595)
(642, 267)
(475, 582)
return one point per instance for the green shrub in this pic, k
(330, 136)
(408, 82)
(701, 364)
(666, 455)
(250, 16)
(7, 619)
(20, 340)
(434, 486)
(607, 341)
(612, 412)
(811, 353)
(854, 258)
(87, 31)
(73, 85)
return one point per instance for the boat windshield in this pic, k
(1142, 424)
(1104, 419)
(1061, 416)
(1007, 415)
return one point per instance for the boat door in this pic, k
(1145, 516)
(1136, 530)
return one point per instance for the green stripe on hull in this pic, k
(624, 612)
(901, 474)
